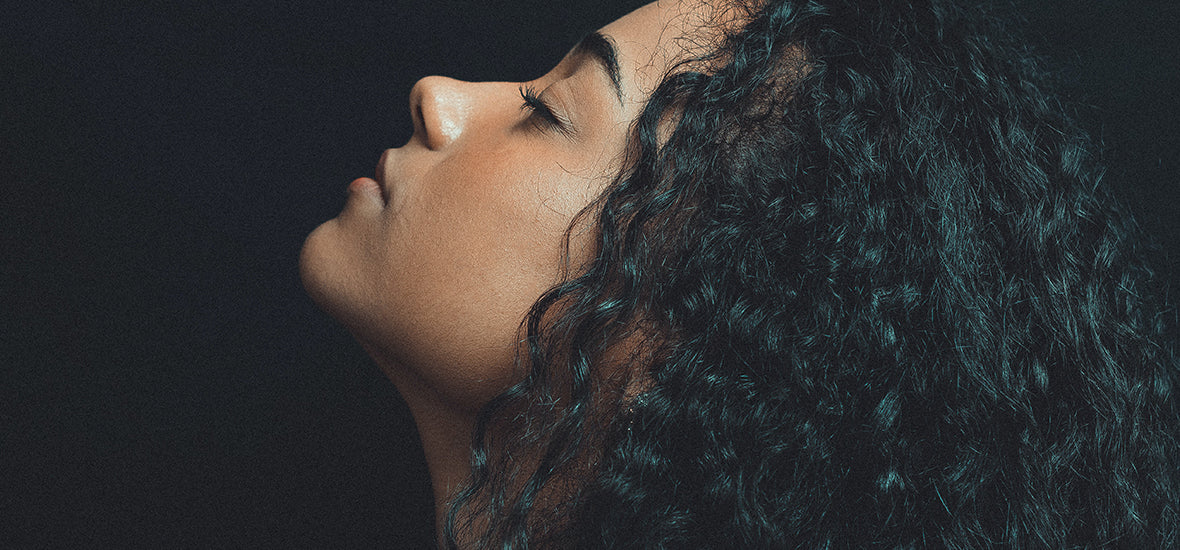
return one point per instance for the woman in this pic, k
(772, 274)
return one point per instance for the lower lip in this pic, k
(365, 185)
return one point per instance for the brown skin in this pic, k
(434, 265)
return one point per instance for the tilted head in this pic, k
(844, 275)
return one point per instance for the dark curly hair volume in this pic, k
(872, 294)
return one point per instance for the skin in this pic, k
(433, 264)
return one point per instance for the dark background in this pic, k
(165, 380)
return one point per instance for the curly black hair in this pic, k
(860, 285)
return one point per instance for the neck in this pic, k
(446, 442)
(445, 431)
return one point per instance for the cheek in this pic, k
(476, 242)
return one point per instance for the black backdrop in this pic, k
(165, 381)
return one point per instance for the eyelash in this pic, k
(538, 109)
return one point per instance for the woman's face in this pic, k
(434, 263)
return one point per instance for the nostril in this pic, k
(419, 124)
(422, 128)
(432, 123)
(440, 110)
(425, 113)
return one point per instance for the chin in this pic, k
(321, 271)
(335, 281)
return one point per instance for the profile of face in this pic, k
(434, 263)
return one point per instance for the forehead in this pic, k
(653, 38)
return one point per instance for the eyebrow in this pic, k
(602, 48)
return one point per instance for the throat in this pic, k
(446, 443)
(445, 432)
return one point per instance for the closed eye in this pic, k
(541, 112)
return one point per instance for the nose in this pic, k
(441, 108)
